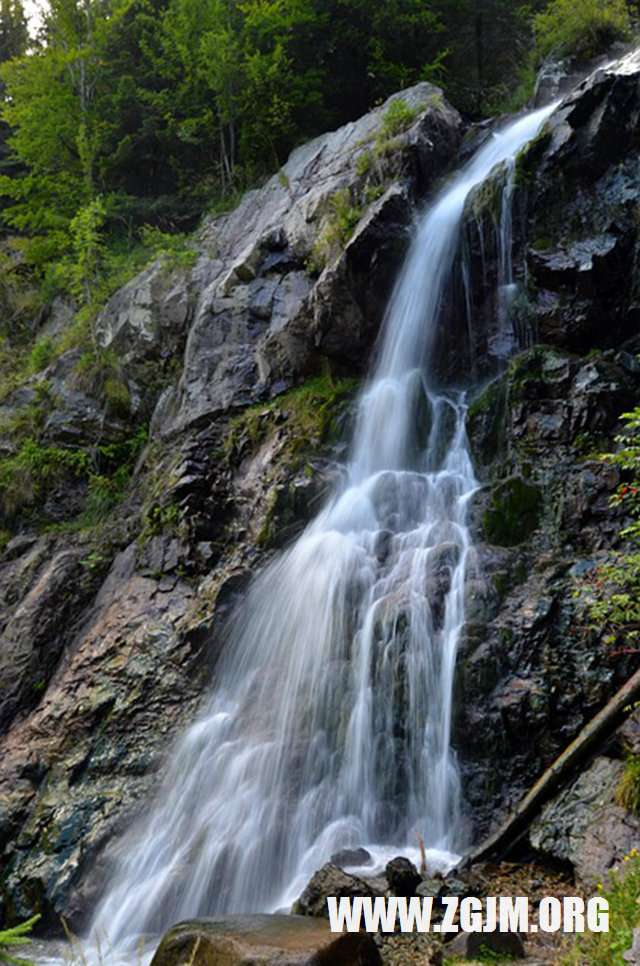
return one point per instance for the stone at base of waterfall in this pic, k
(347, 857)
(263, 940)
(331, 881)
(402, 876)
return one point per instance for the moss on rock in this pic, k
(513, 513)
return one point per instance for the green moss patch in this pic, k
(311, 415)
(513, 513)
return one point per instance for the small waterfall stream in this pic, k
(330, 722)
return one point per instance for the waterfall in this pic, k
(330, 721)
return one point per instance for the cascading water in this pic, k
(330, 722)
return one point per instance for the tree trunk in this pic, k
(591, 736)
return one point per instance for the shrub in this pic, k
(42, 353)
(98, 371)
(582, 28)
(398, 117)
(339, 225)
(628, 791)
(25, 474)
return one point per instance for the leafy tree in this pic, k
(55, 132)
(488, 43)
(14, 35)
(583, 28)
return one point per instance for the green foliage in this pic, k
(365, 163)
(160, 518)
(108, 488)
(582, 28)
(150, 112)
(338, 226)
(15, 936)
(87, 247)
(18, 424)
(628, 791)
(177, 250)
(397, 118)
(607, 948)
(513, 95)
(33, 468)
(29, 473)
(98, 371)
(105, 494)
(311, 414)
(487, 43)
(41, 354)
(609, 594)
(14, 35)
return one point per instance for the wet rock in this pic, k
(263, 940)
(73, 768)
(630, 734)
(513, 512)
(350, 857)
(329, 881)
(526, 666)
(431, 889)
(77, 418)
(402, 876)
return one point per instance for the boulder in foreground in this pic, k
(263, 940)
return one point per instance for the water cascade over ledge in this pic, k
(330, 721)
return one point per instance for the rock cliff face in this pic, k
(245, 365)
(542, 516)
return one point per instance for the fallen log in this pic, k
(593, 734)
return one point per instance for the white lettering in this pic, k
(514, 914)
(451, 903)
(550, 914)
(598, 914)
(573, 914)
(471, 914)
(418, 917)
(382, 915)
(492, 914)
(347, 914)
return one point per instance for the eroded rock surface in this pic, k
(586, 826)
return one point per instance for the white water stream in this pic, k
(330, 721)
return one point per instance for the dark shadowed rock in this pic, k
(526, 665)
(402, 876)
(329, 881)
(350, 857)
